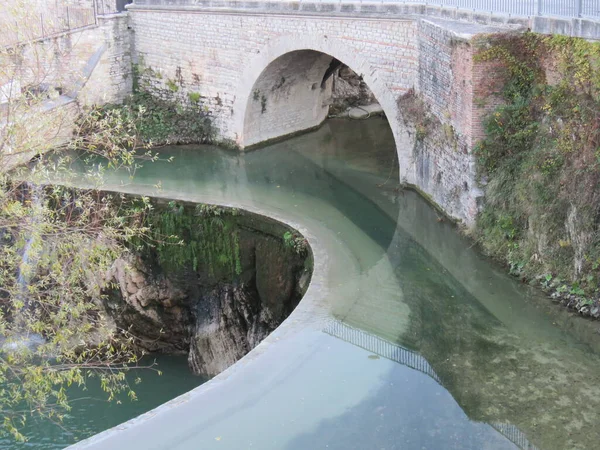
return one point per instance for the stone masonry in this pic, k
(260, 73)
(91, 65)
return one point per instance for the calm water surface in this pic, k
(422, 343)
(91, 413)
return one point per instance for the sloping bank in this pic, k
(540, 162)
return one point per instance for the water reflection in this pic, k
(397, 273)
(381, 348)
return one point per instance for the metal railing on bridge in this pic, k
(527, 8)
(27, 26)
(110, 6)
(558, 8)
(20, 26)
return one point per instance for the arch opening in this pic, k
(287, 90)
(290, 95)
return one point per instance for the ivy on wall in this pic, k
(540, 160)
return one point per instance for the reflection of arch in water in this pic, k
(406, 357)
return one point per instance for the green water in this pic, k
(92, 413)
(408, 338)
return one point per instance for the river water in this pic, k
(412, 340)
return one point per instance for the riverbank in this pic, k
(540, 166)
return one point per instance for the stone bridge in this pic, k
(261, 70)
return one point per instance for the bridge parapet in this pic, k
(579, 18)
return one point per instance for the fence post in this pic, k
(578, 8)
(42, 23)
(68, 20)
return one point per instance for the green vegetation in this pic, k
(184, 237)
(161, 115)
(541, 160)
(428, 129)
(56, 245)
(415, 114)
(295, 242)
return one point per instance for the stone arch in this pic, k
(318, 51)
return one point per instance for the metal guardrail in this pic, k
(556, 8)
(52, 21)
(47, 23)
(585, 9)
(104, 7)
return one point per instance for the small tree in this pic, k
(56, 243)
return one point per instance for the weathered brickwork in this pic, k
(446, 171)
(444, 164)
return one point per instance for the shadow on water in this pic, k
(504, 352)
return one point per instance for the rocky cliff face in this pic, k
(349, 90)
(240, 280)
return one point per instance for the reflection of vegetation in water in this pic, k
(494, 374)
(448, 326)
(206, 235)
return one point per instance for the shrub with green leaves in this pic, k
(541, 158)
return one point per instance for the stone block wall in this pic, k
(94, 62)
(76, 69)
(450, 80)
(259, 74)
(221, 56)
(108, 74)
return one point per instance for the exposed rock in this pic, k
(216, 314)
(158, 327)
(230, 321)
(349, 90)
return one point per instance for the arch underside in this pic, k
(284, 91)
(288, 97)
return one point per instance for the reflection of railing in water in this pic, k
(414, 360)
(381, 347)
(513, 434)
